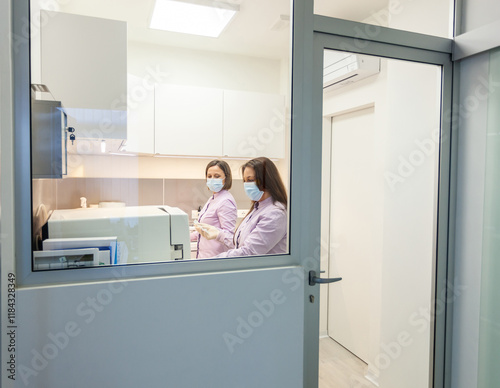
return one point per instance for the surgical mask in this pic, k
(252, 191)
(215, 184)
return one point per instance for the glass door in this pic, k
(386, 149)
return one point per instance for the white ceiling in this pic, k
(249, 33)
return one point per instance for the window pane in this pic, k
(431, 17)
(127, 119)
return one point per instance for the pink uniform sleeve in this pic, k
(227, 214)
(268, 232)
(226, 239)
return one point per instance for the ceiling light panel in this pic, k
(197, 17)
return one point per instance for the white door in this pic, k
(353, 227)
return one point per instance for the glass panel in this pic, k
(489, 324)
(159, 125)
(431, 17)
(383, 132)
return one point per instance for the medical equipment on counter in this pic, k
(62, 259)
(107, 246)
(143, 233)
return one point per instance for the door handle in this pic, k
(313, 279)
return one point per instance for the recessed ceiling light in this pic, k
(197, 17)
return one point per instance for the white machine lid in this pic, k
(118, 212)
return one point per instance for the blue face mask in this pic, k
(252, 191)
(215, 185)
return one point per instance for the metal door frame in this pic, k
(337, 34)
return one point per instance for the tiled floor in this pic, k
(339, 368)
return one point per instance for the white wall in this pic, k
(204, 68)
(431, 17)
(410, 220)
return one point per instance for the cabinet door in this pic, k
(140, 116)
(48, 151)
(254, 124)
(188, 120)
(84, 64)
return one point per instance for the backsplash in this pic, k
(186, 194)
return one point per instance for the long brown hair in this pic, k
(267, 177)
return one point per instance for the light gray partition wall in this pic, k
(469, 218)
(162, 332)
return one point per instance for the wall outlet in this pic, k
(242, 213)
(194, 214)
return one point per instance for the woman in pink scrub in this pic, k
(263, 231)
(219, 211)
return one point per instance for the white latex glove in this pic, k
(208, 231)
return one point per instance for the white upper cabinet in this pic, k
(213, 122)
(188, 120)
(254, 124)
(84, 64)
(140, 116)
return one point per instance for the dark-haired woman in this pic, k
(263, 231)
(219, 211)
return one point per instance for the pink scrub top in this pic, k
(219, 211)
(262, 232)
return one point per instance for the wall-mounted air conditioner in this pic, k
(342, 68)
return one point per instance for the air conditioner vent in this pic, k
(345, 68)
